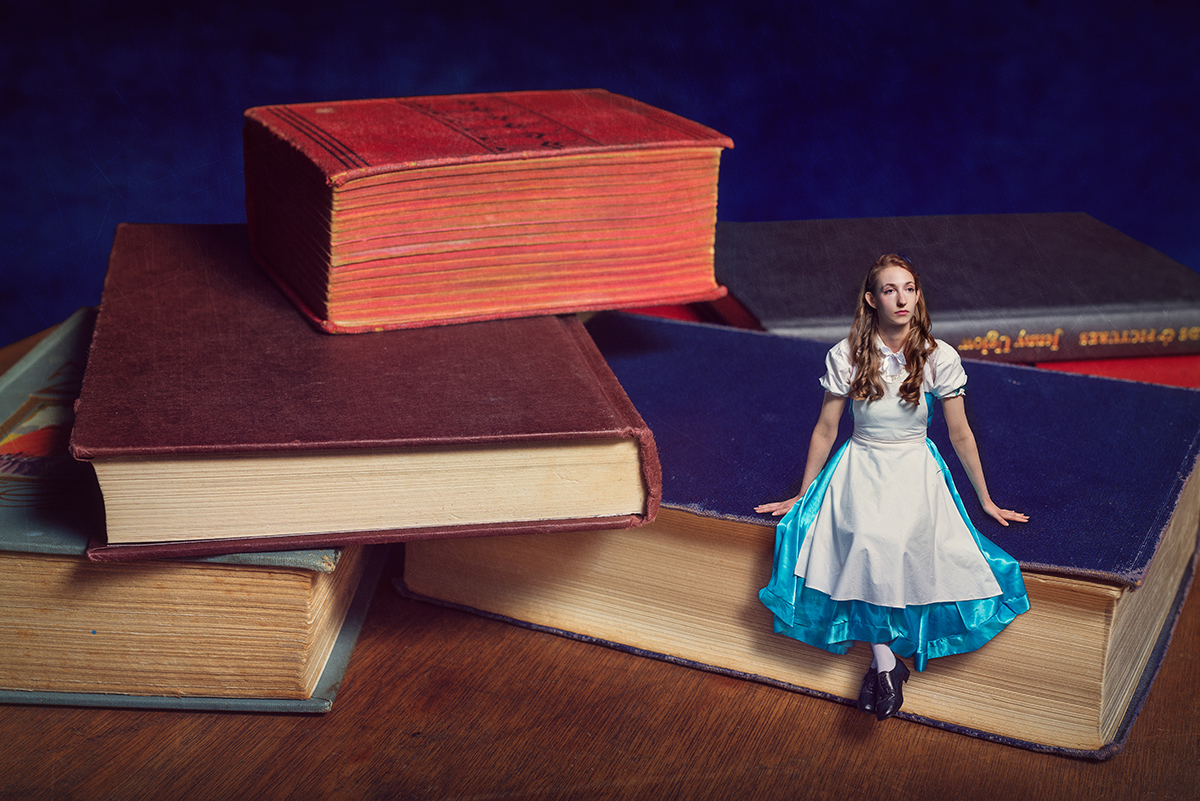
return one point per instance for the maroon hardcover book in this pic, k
(199, 367)
(415, 211)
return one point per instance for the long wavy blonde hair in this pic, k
(867, 383)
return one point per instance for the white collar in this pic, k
(893, 363)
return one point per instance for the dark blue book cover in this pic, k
(1098, 464)
(1102, 467)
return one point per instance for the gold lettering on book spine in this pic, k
(991, 342)
(994, 342)
(1026, 340)
(1138, 336)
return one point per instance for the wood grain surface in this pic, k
(443, 704)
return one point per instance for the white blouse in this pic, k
(944, 374)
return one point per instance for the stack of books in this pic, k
(220, 438)
(462, 408)
(269, 631)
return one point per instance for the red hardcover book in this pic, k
(1175, 371)
(409, 212)
(217, 419)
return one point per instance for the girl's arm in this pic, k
(819, 446)
(968, 453)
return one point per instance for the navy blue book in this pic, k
(1102, 466)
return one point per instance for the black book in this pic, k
(1003, 287)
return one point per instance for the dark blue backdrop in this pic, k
(132, 111)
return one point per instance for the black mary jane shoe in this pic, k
(866, 695)
(889, 695)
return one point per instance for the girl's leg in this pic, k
(883, 658)
(881, 654)
(890, 675)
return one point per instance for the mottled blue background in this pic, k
(132, 111)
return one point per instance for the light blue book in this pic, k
(50, 506)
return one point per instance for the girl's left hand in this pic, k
(1005, 515)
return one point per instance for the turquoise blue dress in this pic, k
(880, 548)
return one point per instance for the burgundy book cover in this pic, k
(369, 137)
(196, 351)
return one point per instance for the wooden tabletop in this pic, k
(443, 704)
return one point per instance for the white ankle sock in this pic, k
(884, 659)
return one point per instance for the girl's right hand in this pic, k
(777, 508)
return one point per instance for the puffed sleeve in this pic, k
(948, 376)
(837, 369)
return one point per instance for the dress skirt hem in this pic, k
(920, 632)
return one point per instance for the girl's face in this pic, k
(895, 297)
